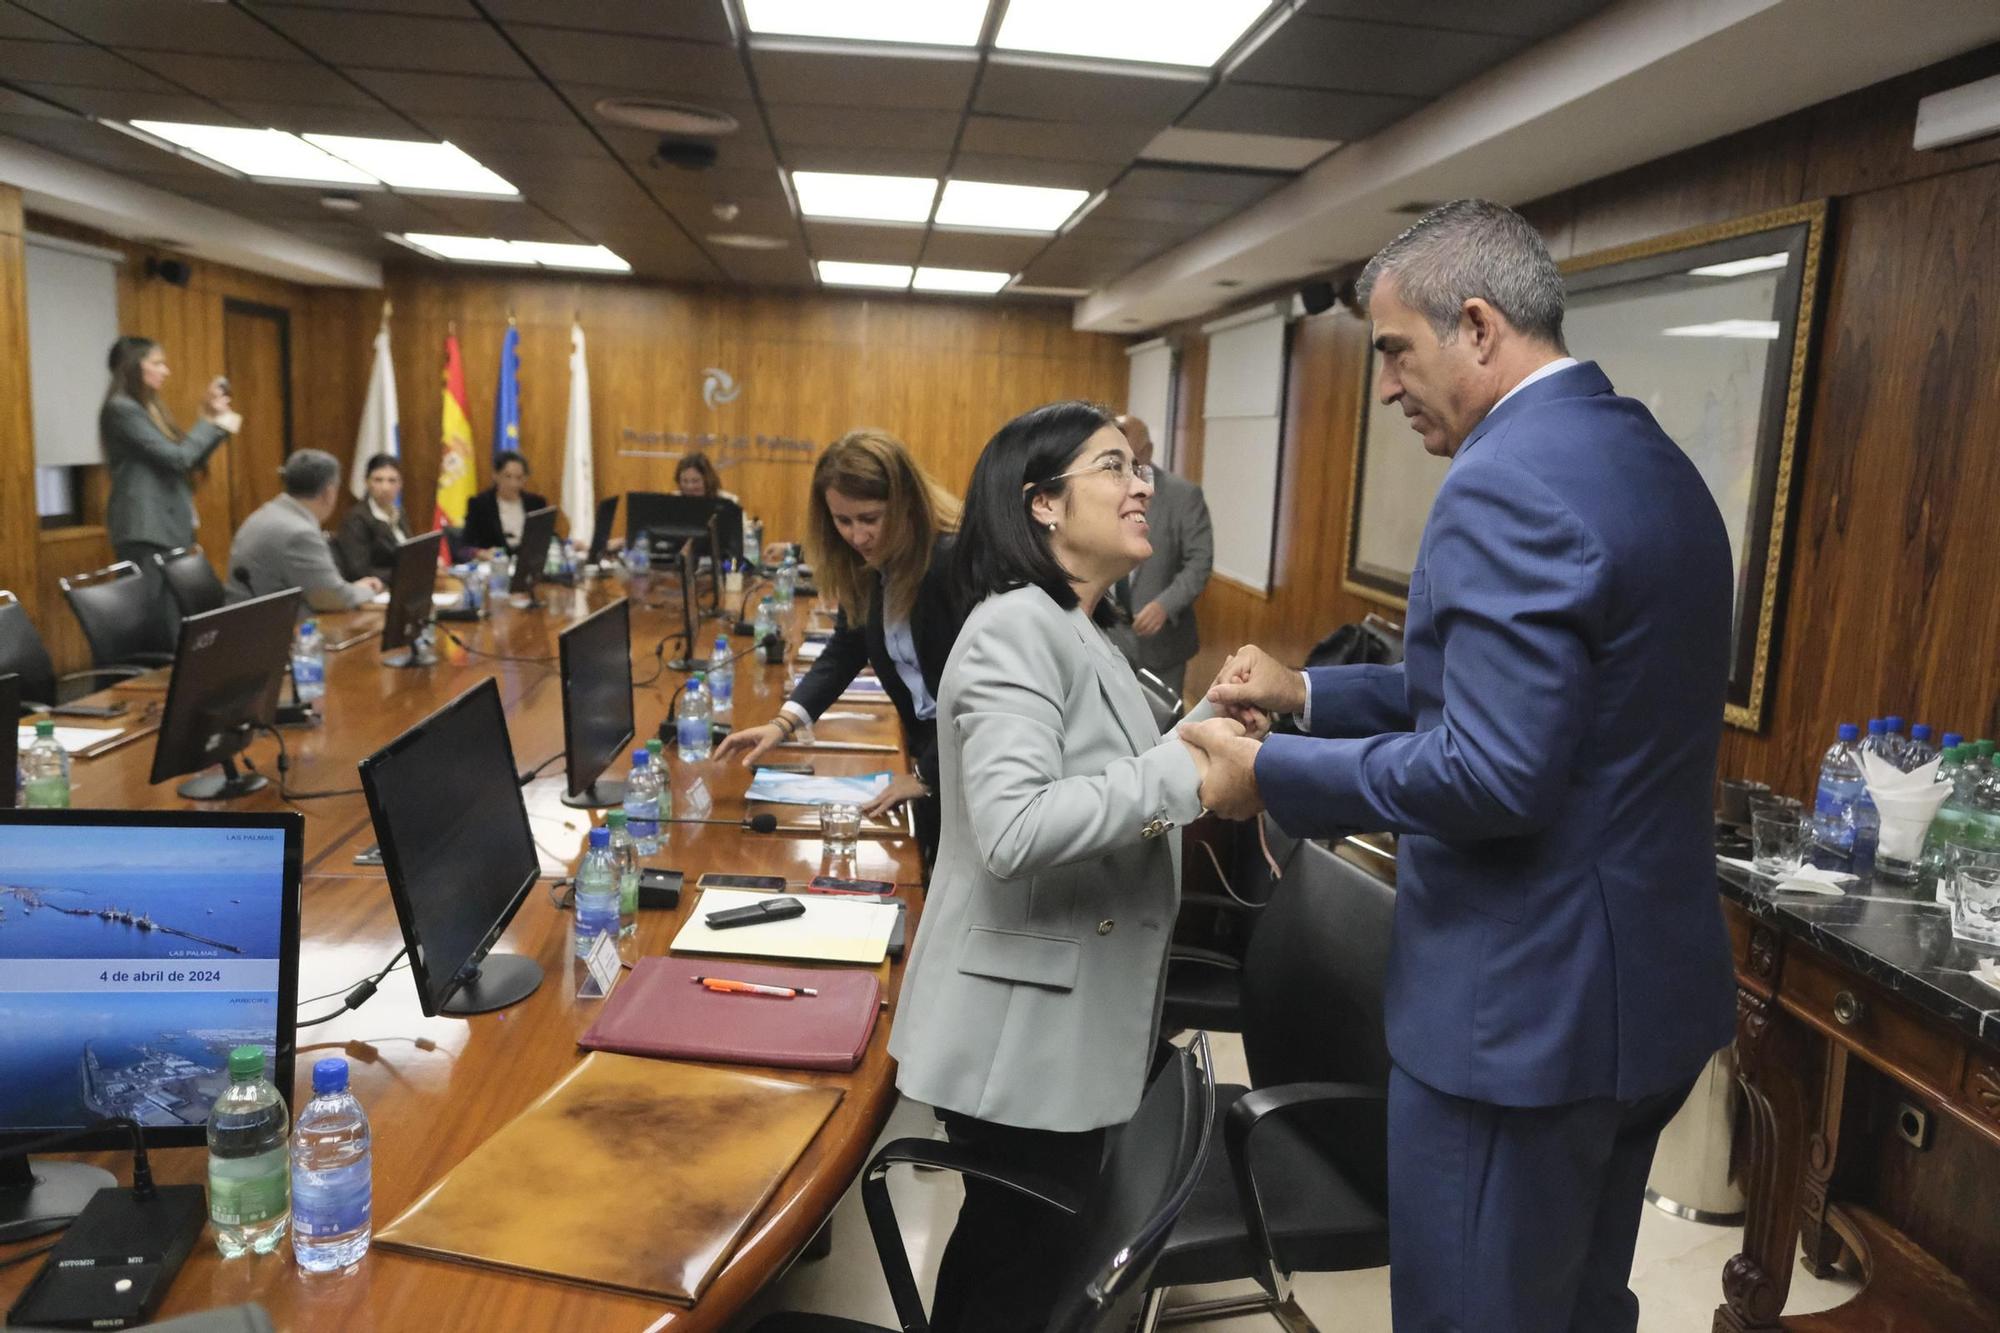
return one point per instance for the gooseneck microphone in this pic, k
(765, 823)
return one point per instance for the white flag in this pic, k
(380, 432)
(579, 483)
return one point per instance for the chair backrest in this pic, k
(118, 610)
(1147, 1179)
(23, 654)
(190, 580)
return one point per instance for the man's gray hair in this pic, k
(308, 472)
(1468, 248)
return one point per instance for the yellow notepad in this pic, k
(832, 930)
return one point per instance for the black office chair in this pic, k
(120, 614)
(1151, 1170)
(1225, 883)
(1303, 1183)
(190, 581)
(23, 654)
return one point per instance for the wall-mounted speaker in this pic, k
(1317, 297)
(173, 272)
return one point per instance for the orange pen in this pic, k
(725, 986)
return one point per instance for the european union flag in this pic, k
(507, 402)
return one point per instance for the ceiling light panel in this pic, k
(1765, 329)
(839, 194)
(439, 168)
(475, 249)
(1007, 207)
(979, 281)
(1736, 268)
(554, 254)
(1159, 32)
(842, 273)
(926, 22)
(264, 154)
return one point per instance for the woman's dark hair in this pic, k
(1000, 546)
(711, 480)
(383, 460)
(127, 378)
(506, 456)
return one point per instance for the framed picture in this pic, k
(1712, 329)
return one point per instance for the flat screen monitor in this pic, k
(455, 843)
(596, 657)
(10, 744)
(228, 669)
(538, 529)
(669, 520)
(137, 948)
(600, 531)
(411, 584)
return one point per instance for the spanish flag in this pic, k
(458, 476)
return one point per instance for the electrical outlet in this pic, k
(1913, 1124)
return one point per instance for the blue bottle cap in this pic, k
(1895, 722)
(1951, 738)
(1921, 732)
(640, 758)
(308, 626)
(329, 1075)
(600, 836)
(1848, 731)
(1878, 726)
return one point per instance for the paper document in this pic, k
(815, 789)
(72, 739)
(832, 930)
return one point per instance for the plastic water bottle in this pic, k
(642, 803)
(1866, 820)
(44, 770)
(692, 733)
(596, 893)
(658, 749)
(332, 1175)
(309, 663)
(721, 681)
(499, 573)
(249, 1159)
(625, 860)
(784, 582)
(1894, 742)
(1919, 751)
(1949, 739)
(1946, 830)
(1833, 805)
(766, 623)
(476, 579)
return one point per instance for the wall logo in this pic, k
(718, 388)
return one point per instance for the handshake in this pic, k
(1248, 692)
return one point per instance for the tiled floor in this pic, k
(1677, 1271)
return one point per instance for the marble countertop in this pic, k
(1893, 934)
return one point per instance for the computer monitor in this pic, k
(458, 852)
(538, 529)
(600, 531)
(136, 949)
(596, 657)
(10, 744)
(669, 520)
(410, 609)
(228, 669)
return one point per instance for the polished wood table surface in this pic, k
(435, 1088)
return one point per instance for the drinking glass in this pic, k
(1975, 909)
(840, 827)
(1777, 840)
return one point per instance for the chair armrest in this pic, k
(1365, 1107)
(875, 1201)
(1220, 902)
(1194, 953)
(149, 661)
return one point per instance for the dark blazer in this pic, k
(934, 624)
(364, 544)
(152, 499)
(482, 519)
(1547, 752)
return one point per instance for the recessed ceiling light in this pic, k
(265, 154)
(664, 117)
(744, 240)
(340, 203)
(556, 254)
(494, 250)
(1765, 329)
(1736, 268)
(1007, 207)
(976, 280)
(478, 249)
(927, 22)
(401, 164)
(1158, 32)
(842, 273)
(839, 194)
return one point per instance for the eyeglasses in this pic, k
(1115, 464)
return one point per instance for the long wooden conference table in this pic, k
(436, 1088)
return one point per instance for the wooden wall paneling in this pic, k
(19, 527)
(1863, 141)
(1752, 172)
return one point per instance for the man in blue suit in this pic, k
(1546, 753)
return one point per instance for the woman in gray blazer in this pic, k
(1030, 1012)
(151, 460)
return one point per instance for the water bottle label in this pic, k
(692, 732)
(628, 893)
(596, 913)
(336, 1204)
(261, 1193)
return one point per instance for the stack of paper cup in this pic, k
(1907, 802)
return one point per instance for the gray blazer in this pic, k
(1174, 575)
(1034, 990)
(152, 499)
(281, 546)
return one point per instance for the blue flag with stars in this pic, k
(507, 401)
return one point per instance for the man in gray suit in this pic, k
(1162, 591)
(282, 545)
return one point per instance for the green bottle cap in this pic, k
(246, 1062)
(44, 730)
(614, 819)
(1984, 749)
(655, 746)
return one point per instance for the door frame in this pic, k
(282, 316)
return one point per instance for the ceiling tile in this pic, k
(748, 146)
(926, 81)
(419, 95)
(396, 41)
(376, 121)
(767, 268)
(18, 23)
(1216, 148)
(166, 25)
(514, 219)
(22, 101)
(862, 127)
(1076, 266)
(226, 77)
(866, 244)
(1345, 55)
(1245, 108)
(758, 216)
(1124, 205)
(1011, 170)
(992, 252)
(698, 20)
(69, 64)
(107, 148)
(131, 104)
(457, 9)
(1520, 18)
(516, 141)
(868, 161)
(683, 70)
(1052, 91)
(1063, 140)
(1198, 185)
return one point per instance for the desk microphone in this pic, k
(765, 823)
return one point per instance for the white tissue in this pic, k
(1907, 802)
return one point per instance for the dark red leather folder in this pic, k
(661, 1010)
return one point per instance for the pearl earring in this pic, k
(1052, 527)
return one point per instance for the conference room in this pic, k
(789, 665)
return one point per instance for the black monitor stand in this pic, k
(418, 654)
(37, 1197)
(227, 785)
(500, 979)
(690, 620)
(599, 795)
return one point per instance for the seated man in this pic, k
(281, 545)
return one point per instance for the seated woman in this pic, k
(366, 541)
(697, 477)
(1031, 1007)
(494, 517)
(878, 531)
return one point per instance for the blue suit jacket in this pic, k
(1546, 751)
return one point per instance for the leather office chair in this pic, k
(119, 612)
(1302, 1185)
(23, 654)
(1225, 883)
(190, 580)
(1146, 1180)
